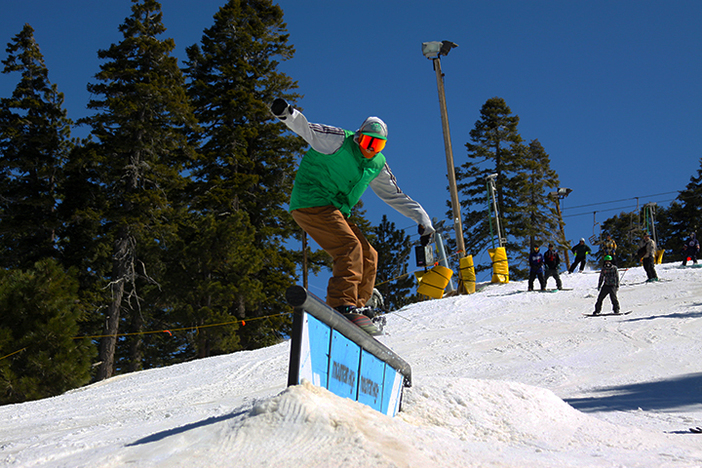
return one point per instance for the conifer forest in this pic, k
(164, 235)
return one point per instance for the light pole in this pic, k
(491, 190)
(433, 51)
(557, 196)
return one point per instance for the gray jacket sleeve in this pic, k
(322, 138)
(386, 188)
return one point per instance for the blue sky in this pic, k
(610, 88)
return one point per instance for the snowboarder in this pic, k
(608, 285)
(536, 270)
(691, 249)
(580, 250)
(552, 262)
(337, 169)
(647, 251)
(609, 247)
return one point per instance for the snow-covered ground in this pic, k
(501, 378)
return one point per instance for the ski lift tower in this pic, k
(649, 210)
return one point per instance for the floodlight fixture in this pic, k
(431, 49)
(436, 49)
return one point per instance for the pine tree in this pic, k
(522, 177)
(84, 239)
(493, 149)
(142, 121)
(210, 268)
(34, 146)
(685, 214)
(246, 170)
(671, 237)
(535, 222)
(626, 231)
(39, 316)
(392, 280)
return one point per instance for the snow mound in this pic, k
(305, 426)
(462, 422)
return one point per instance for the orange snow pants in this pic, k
(355, 260)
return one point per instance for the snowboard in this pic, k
(647, 282)
(608, 314)
(696, 430)
(547, 290)
(365, 324)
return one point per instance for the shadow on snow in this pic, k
(179, 430)
(670, 394)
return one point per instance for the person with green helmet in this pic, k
(333, 175)
(608, 285)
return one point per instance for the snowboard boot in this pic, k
(356, 316)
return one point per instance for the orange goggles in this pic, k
(370, 143)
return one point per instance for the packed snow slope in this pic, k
(502, 378)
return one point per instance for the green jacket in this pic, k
(337, 179)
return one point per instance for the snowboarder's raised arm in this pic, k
(385, 186)
(322, 138)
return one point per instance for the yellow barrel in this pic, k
(434, 281)
(467, 274)
(500, 267)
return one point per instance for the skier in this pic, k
(580, 250)
(691, 249)
(609, 247)
(647, 251)
(337, 169)
(608, 285)
(552, 261)
(536, 270)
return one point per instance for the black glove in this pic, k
(423, 239)
(279, 107)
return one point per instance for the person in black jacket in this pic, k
(536, 262)
(580, 250)
(552, 262)
(691, 249)
(608, 285)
